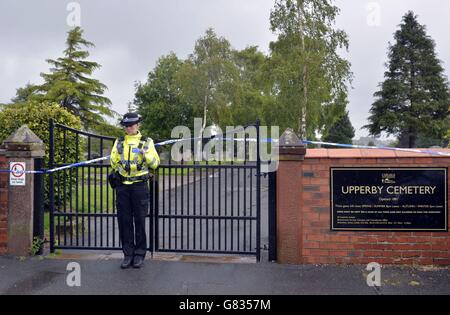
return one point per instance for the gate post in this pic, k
(272, 216)
(38, 228)
(4, 179)
(22, 146)
(291, 153)
(258, 191)
(51, 182)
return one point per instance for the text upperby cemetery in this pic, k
(391, 190)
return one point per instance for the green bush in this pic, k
(36, 116)
(36, 245)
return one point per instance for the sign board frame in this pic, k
(386, 229)
(17, 179)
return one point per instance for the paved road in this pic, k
(103, 276)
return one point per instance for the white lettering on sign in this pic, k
(17, 175)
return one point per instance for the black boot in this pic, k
(138, 261)
(127, 262)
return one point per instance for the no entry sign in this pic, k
(17, 175)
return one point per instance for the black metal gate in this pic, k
(196, 207)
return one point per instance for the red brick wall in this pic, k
(3, 205)
(303, 214)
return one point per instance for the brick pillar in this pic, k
(3, 204)
(22, 146)
(289, 222)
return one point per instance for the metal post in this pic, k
(152, 202)
(38, 226)
(272, 216)
(258, 193)
(155, 235)
(51, 185)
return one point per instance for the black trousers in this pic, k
(132, 208)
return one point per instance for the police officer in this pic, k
(131, 158)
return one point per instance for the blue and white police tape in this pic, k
(58, 168)
(267, 140)
(171, 141)
(22, 172)
(167, 142)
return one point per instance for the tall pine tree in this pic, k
(414, 98)
(70, 85)
(341, 131)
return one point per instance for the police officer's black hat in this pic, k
(130, 119)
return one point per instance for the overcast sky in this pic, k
(131, 35)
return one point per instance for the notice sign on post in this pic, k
(17, 175)
(389, 199)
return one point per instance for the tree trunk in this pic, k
(303, 134)
(205, 104)
(302, 118)
(205, 111)
(412, 139)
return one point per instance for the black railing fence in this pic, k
(196, 206)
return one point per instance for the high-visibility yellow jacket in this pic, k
(133, 156)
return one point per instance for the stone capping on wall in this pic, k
(290, 147)
(23, 143)
(370, 153)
